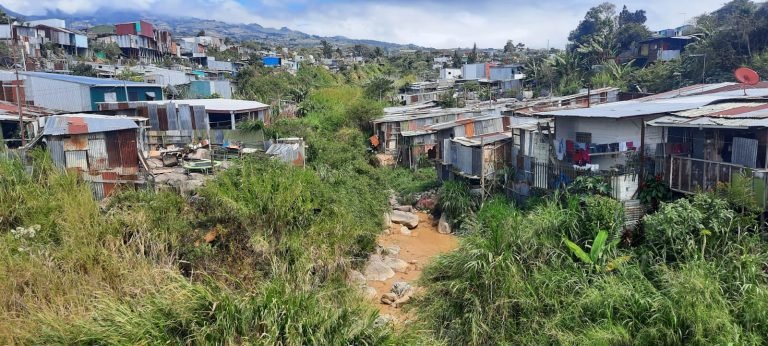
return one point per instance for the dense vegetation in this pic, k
(562, 271)
(602, 46)
(139, 269)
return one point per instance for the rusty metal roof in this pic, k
(729, 110)
(74, 124)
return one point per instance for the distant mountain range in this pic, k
(188, 26)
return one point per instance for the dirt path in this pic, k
(418, 248)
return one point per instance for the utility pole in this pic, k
(18, 102)
(18, 83)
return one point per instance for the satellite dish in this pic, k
(747, 76)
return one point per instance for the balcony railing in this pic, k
(689, 175)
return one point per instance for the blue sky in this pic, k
(432, 23)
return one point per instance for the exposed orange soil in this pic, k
(421, 246)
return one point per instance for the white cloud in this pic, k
(444, 24)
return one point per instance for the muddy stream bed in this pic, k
(417, 249)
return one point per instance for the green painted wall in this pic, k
(97, 93)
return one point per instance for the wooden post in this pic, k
(642, 149)
(18, 102)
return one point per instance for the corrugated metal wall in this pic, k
(57, 94)
(185, 118)
(173, 122)
(56, 149)
(97, 152)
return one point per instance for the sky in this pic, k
(428, 23)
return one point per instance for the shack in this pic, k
(102, 150)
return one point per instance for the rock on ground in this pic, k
(388, 298)
(443, 227)
(383, 320)
(396, 264)
(356, 278)
(410, 220)
(369, 292)
(378, 271)
(405, 208)
(387, 220)
(392, 250)
(400, 288)
(405, 231)
(171, 178)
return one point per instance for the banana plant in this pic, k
(596, 252)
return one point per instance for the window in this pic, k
(110, 97)
(583, 137)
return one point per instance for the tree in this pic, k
(472, 55)
(362, 112)
(201, 33)
(83, 70)
(339, 52)
(5, 18)
(599, 21)
(456, 59)
(378, 52)
(327, 49)
(378, 88)
(509, 47)
(626, 17)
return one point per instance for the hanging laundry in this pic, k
(560, 149)
(622, 146)
(569, 146)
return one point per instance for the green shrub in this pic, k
(455, 199)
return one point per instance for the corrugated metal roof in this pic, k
(81, 123)
(708, 122)
(729, 110)
(528, 124)
(725, 88)
(481, 140)
(217, 105)
(90, 81)
(415, 133)
(640, 107)
(457, 122)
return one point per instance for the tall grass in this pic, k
(514, 282)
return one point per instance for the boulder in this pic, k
(382, 321)
(171, 178)
(387, 220)
(396, 264)
(378, 271)
(356, 278)
(405, 208)
(400, 288)
(405, 230)
(426, 202)
(393, 200)
(443, 226)
(389, 298)
(401, 301)
(410, 220)
(369, 292)
(392, 250)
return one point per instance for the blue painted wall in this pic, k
(271, 61)
(97, 93)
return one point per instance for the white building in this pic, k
(450, 73)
